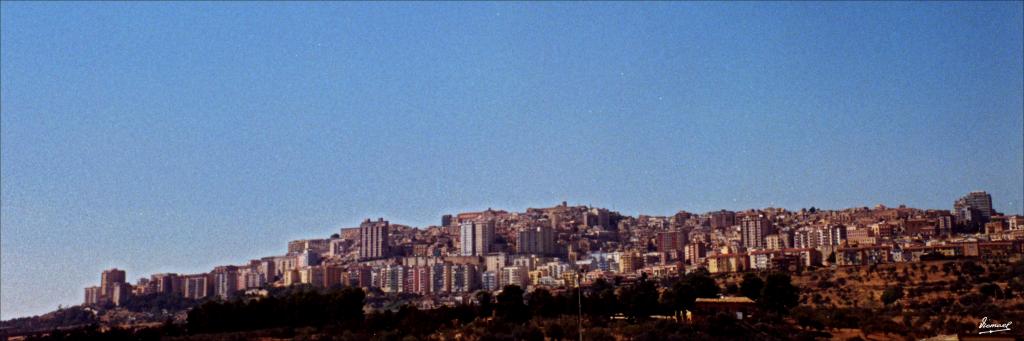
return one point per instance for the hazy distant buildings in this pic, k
(722, 219)
(973, 209)
(693, 253)
(109, 280)
(373, 238)
(120, 292)
(670, 241)
(536, 240)
(250, 278)
(1015, 223)
(476, 237)
(831, 235)
(196, 286)
(630, 262)
(92, 295)
(598, 217)
(489, 280)
(473, 251)
(225, 281)
(392, 279)
(753, 229)
(307, 259)
(313, 245)
(113, 288)
(165, 283)
(515, 275)
(945, 225)
(774, 242)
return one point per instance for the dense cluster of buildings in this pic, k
(556, 247)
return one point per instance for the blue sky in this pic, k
(177, 136)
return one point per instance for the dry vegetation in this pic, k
(910, 300)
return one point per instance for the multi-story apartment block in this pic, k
(225, 280)
(979, 201)
(753, 229)
(250, 278)
(420, 279)
(142, 287)
(630, 262)
(805, 238)
(196, 286)
(313, 275)
(694, 253)
(489, 280)
(831, 235)
(334, 275)
(92, 295)
(338, 247)
(166, 283)
(782, 259)
(440, 278)
(306, 259)
(773, 242)
(291, 277)
(864, 255)
(110, 279)
(883, 231)
(729, 262)
(393, 279)
(597, 217)
(319, 246)
(945, 225)
(861, 236)
(722, 219)
(515, 275)
(476, 237)
(120, 293)
(538, 240)
(374, 239)
(464, 278)
(670, 241)
(361, 276)
(1015, 222)
(282, 264)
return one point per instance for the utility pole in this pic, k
(579, 302)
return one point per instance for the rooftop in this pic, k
(725, 300)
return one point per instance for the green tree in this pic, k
(679, 297)
(990, 290)
(601, 301)
(751, 286)
(528, 332)
(510, 305)
(485, 303)
(892, 294)
(703, 285)
(779, 294)
(554, 331)
(542, 303)
(640, 299)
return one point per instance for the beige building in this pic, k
(630, 262)
(374, 239)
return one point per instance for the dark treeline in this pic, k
(158, 302)
(340, 307)
(62, 317)
(511, 314)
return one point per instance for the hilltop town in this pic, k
(857, 260)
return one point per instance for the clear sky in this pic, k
(177, 136)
